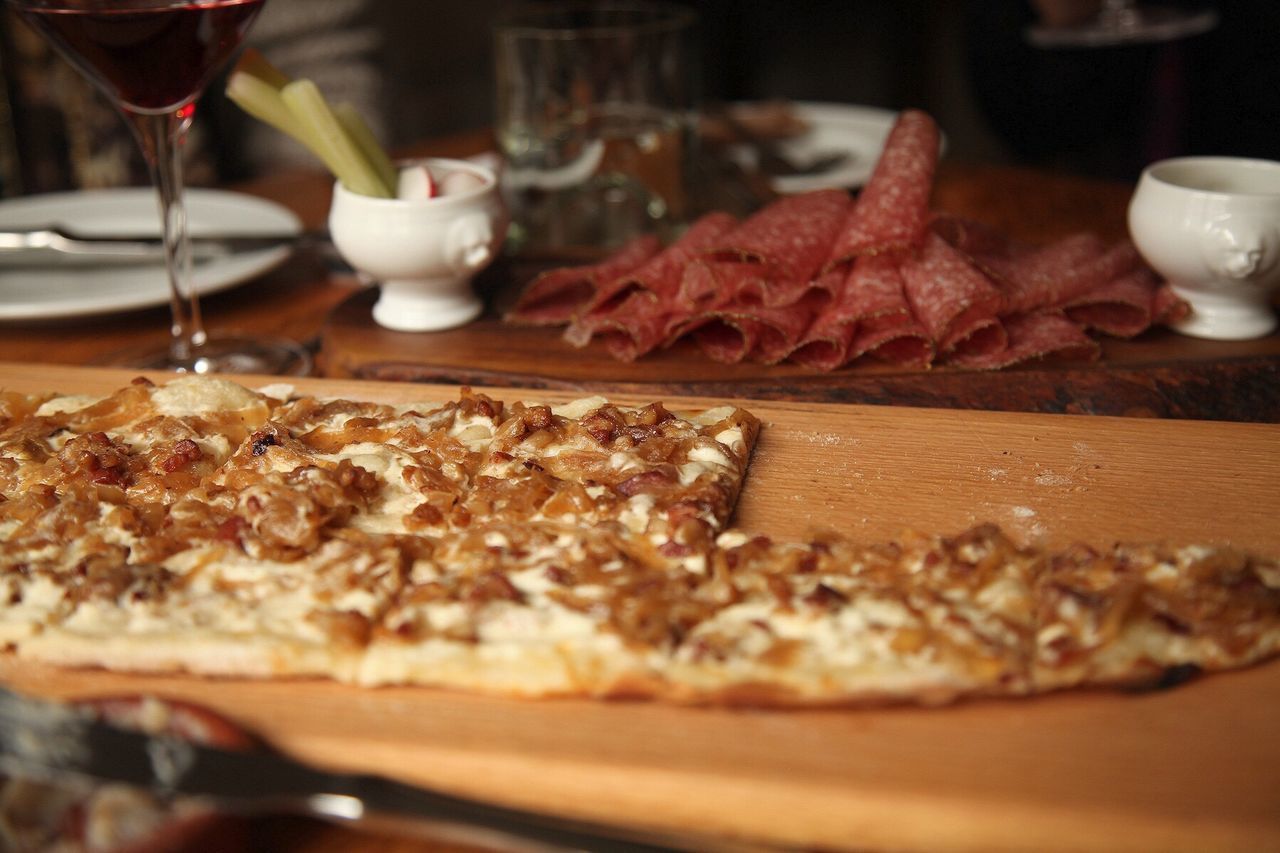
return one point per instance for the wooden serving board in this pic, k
(1159, 374)
(1192, 768)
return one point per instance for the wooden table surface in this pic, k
(1163, 374)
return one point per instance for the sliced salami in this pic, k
(1058, 273)
(1167, 307)
(731, 334)
(557, 295)
(892, 211)
(955, 302)
(792, 236)
(1121, 308)
(635, 328)
(1033, 336)
(708, 284)
(895, 338)
(660, 275)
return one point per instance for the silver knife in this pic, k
(52, 742)
(43, 245)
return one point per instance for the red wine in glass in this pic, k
(153, 59)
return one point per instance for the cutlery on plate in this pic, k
(774, 160)
(53, 742)
(54, 243)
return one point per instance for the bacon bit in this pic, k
(557, 575)
(185, 452)
(347, 628)
(808, 564)
(538, 417)
(1173, 624)
(107, 477)
(825, 596)
(674, 549)
(143, 381)
(654, 414)
(600, 427)
(932, 559)
(780, 589)
(640, 434)
(406, 630)
(532, 466)
(230, 530)
(493, 586)
(478, 403)
(261, 441)
(501, 456)
(643, 482)
(427, 514)
(351, 476)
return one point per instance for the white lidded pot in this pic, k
(1211, 226)
(423, 252)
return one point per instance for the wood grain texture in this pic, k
(1193, 768)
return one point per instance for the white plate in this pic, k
(859, 131)
(75, 291)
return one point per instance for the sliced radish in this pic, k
(415, 182)
(460, 181)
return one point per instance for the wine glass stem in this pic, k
(162, 137)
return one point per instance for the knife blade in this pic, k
(57, 244)
(52, 742)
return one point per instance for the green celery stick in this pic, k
(363, 137)
(261, 100)
(253, 63)
(342, 155)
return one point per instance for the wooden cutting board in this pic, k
(1192, 768)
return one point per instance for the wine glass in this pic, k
(153, 59)
(1121, 22)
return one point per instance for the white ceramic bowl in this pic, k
(1211, 226)
(423, 253)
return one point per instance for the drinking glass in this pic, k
(1121, 22)
(153, 59)
(594, 109)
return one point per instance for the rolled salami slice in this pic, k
(1168, 307)
(635, 328)
(892, 211)
(792, 236)
(955, 302)
(868, 315)
(555, 296)
(1122, 308)
(660, 275)
(708, 284)
(732, 334)
(895, 338)
(1042, 334)
(1058, 273)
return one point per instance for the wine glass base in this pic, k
(222, 354)
(1141, 25)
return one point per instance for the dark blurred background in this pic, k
(421, 69)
